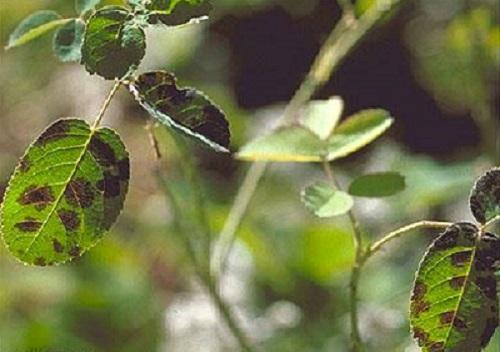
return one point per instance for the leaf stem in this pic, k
(490, 222)
(105, 105)
(346, 34)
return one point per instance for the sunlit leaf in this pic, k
(357, 131)
(454, 306)
(68, 41)
(381, 184)
(321, 116)
(184, 109)
(83, 6)
(34, 26)
(485, 196)
(67, 190)
(177, 12)
(324, 201)
(114, 43)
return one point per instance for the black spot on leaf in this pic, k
(74, 251)
(491, 325)
(69, 219)
(437, 347)
(421, 336)
(79, 192)
(57, 131)
(40, 261)
(459, 323)
(488, 286)
(419, 291)
(58, 247)
(124, 169)
(29, 225)
(457, 282)
(102, 152)
(461, 258)
(447, 317)
(24, 165)
(39, 196)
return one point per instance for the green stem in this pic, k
(105, 105)
(490, 222)
(342, 39)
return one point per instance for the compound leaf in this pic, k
(177, 12)
(380, 184)
(183, 109)
(114, 43)
(66, 191)
(68, 41)
(485, 196)
(82, 6)
(357, 131)
(324, 201)
(454, 306)
(322, 116)
(34, 26)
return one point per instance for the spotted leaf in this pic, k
(454, 306)
(485, 196)
(114, 43)
(66, 191)
(176, 12)
(68, 41)
(183, 109)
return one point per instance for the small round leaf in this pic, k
(325, 202)
(382, 184)
(485, 196)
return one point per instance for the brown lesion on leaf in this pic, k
(29, 225)
(419, 290)
(40, 261)
(457, 282)
(421, 336)
(459, 323)
(74, 251)
(446, 318)
(70, 219)
(57, 131)
(448, 239)
(420, 306)
(80, 193)
(102, 152)
(38, 196)
(58, 247)
(24, 164)
(124, 169)
(110, 185)
(461, 258)
(489, 329)
(436, 347)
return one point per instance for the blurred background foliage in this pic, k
(434, 65)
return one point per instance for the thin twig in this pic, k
(490, 222)
(152, 139)
(105, 105)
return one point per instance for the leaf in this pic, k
(82, 6)
(177, 12)
(357, 131)
(183, 109)
(325, 202)
(34, 26)
(298, 144)
(114, 44)
(485, 196)
(66, 191)
(322, 116)
(454, 306)
(382, 184)
(68, 41)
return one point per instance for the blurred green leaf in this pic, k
(454, 306)
(83, 6)
(114, 44)
(177, 12)
(382, 184)
(185, 110)
(68, 41)
(325, 202)
(321, 116)
(67, 190)
(34, 26)
(485, 196)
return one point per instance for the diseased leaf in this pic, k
(295, 143)
(454, 306)
(67, 190)
(324, 201)
(357, 131)
(34, 26)
(114, 43)
(184, 109)
(485, 196)
(322, 116)
(177, 12)
(381, 184)
(68, 41)
(82, 6)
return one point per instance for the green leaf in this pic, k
(183, 109)
(357, 131)
(82, 6)
(297, 144)
(325, 202)
(322, 116)
(34, 26)
(485, 196)
(114, 44)
(177, 12)
(66, 191)
(68, 41)
(454, 306)
(382, 184)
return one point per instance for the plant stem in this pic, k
(105, 105)
(342, 39)
(490, 222)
